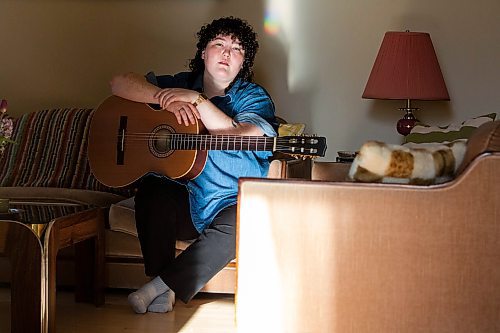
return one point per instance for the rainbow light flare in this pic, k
(271, 22)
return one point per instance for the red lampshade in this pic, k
(406, 68)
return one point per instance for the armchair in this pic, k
(352, 257)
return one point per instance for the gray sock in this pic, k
(163, 303)
(142, 298)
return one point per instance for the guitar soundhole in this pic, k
(160, 141)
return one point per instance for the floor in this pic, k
(206, 313)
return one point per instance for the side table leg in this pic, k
(50, 254)
(99, 261)
(85, 231)
(24, 251)
(89, 286)
(89, 267)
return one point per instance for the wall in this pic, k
(315, 62)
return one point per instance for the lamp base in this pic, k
(406, 123)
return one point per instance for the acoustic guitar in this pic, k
(128, 139)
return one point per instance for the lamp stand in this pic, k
(408, 121)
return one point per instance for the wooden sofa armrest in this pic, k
(285, 168)
(330, 171)
(60, 194)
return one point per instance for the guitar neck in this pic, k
(221, 142)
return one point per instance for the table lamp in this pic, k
(406, 68)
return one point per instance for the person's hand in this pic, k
(185, 112)
(171, 95)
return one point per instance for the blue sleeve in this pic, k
(179, 80)
(166, 81)
(255, 119)
(257, 108)
(151, 78)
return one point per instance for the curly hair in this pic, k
(227, 26)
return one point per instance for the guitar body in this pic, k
(118, 159)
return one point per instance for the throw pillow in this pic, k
(122, 217)
(291, 129)
(423, 133)
(425, 165)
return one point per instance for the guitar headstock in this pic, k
(302, 146)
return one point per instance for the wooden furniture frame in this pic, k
(33, 251)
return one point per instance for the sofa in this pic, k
(49, 162)
(340, 255)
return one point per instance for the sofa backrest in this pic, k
(50, 151)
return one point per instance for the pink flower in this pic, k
(3, 106)
(6, 127)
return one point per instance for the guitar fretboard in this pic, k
(220, 142)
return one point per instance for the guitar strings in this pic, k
(199, 137)
(220, 140)
(250, 143)
(284, 148)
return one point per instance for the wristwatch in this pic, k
(201, 98)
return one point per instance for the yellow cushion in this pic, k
(291, 129)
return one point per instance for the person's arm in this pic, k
(215, 120)
(253, 114)
(180, 101)
(134, 87)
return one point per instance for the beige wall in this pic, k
(61, 53)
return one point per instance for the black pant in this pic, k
(162, 216)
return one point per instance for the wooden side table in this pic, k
(330, 171)
(32, 244)
(84, 230)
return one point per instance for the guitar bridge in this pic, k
(120, 143)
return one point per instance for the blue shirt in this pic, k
(217, 185)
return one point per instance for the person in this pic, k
(218, 91)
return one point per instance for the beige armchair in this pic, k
(329, 256)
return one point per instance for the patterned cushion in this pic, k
(122, 220)
(291, 129)
(485, 139)
(422, 133)
(386, 163)
(50, 151)
(122, 217)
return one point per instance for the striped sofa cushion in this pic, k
(50, 151)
